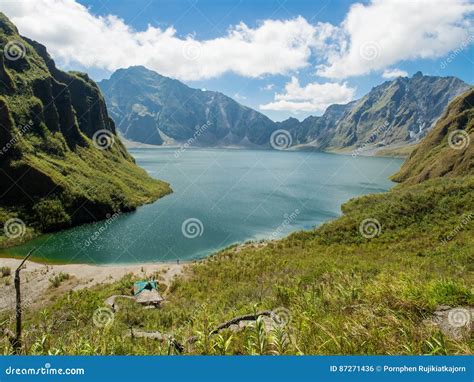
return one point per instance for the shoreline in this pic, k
(37, 287)
(400, 151)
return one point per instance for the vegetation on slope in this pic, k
(344, 293)
(53, 174)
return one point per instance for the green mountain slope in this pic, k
(347, 287)
(54, 174)
(153, 109)
(448, 149)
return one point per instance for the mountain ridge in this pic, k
(154, 109)
(173, 111)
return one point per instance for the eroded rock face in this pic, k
(456, 323)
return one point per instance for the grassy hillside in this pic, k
(54, 172)
(342, 292)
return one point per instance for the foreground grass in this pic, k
(342, 293)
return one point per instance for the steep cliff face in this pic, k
(448, 150)
(61, 162)
(154, 109)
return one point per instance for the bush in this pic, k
(5, 271)
(58, 279)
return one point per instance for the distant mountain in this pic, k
(397, 112)
(62, 163)
(153, 109)
(448, 150)
(150, 108)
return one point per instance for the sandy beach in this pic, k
(36, 286)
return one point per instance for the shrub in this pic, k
(58, 279)
(5, 271)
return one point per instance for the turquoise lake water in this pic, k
(221, 197)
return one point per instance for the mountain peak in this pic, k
(136, 70)
(155, 109)
(418, 74)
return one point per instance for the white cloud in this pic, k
(268, 87)
(394, 73)
(374, 36)
(73, 35)
(313, 97)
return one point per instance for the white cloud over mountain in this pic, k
(372, 38)
(394, 73)
(384, 32)
(73, 34)
(313, 97)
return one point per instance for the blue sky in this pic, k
(283, 58)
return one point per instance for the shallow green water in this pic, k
(230, 195)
